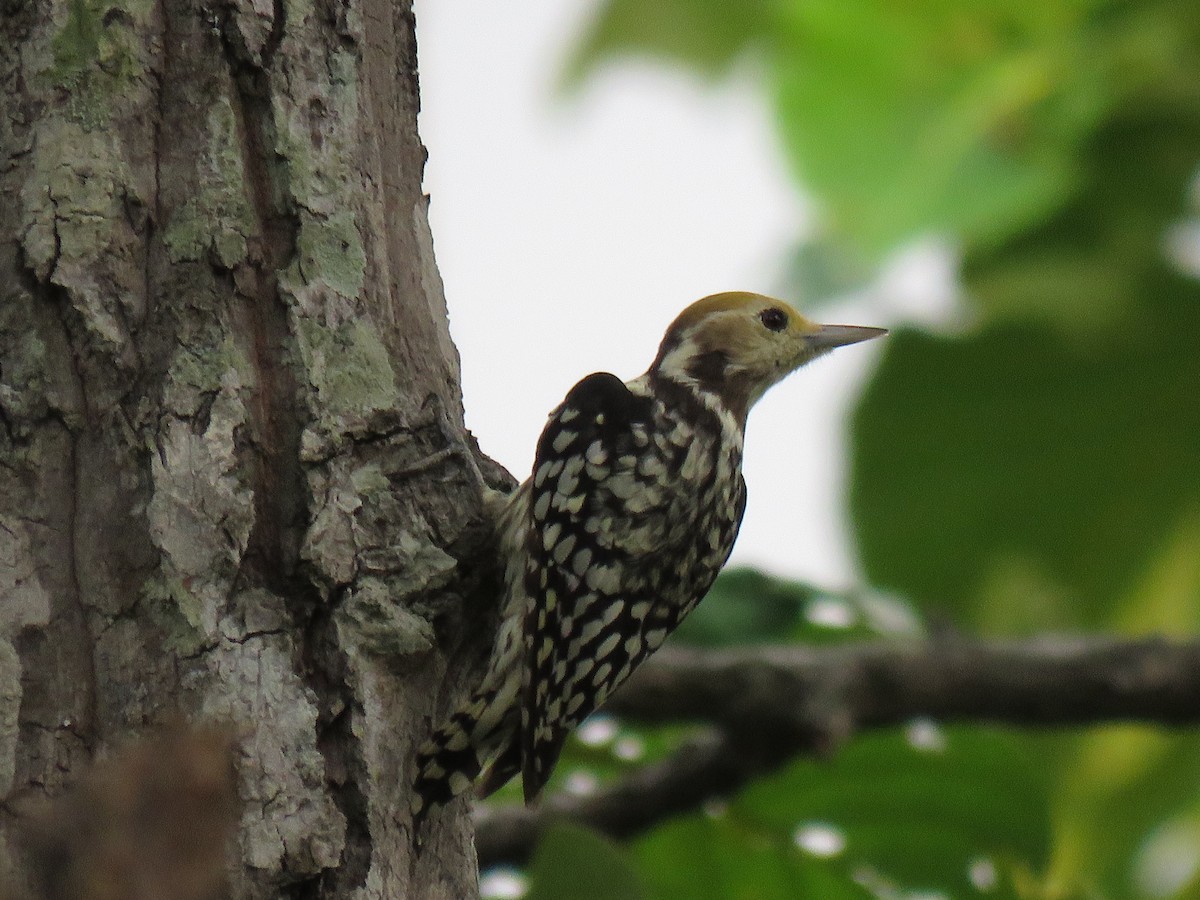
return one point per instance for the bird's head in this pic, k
(737, 345)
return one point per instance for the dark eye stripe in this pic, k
(774, 318)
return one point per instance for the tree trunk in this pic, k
(225, 381)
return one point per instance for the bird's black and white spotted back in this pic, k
(634, 507)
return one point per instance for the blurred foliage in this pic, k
(1040, 471)
(572, 861)
(748, 607)
(982, 119)
(1012, 458)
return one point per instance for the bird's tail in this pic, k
(474, 735)
(451, 760)
(446, 766)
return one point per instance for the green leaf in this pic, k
(706, 35)
(936, 116)
(983, 120)
(910, 820)
(1095, 263)
(576, 863)
(1118, 784)
(1023, 481)
(918, 809)
(745, 606)
(715, 859)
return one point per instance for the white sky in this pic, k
(570, 231)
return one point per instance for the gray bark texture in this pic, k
(227, 389)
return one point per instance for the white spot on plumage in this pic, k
(608, 645)
(590, 630)
(602, 579)
(622, 485)
(567, 484)
(693, 465)
(640, 503)
(563, 440)
(651, 466)
(563, 549)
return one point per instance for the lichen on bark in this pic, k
(224, 369)
(219, 216)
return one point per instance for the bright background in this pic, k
(571, 227)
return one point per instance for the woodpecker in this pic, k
(632, 508)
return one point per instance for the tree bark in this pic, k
(225, 381)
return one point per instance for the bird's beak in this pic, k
(826, 337)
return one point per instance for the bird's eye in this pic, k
(774, 318)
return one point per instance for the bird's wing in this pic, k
(593, 515)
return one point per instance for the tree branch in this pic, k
(770, 704)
